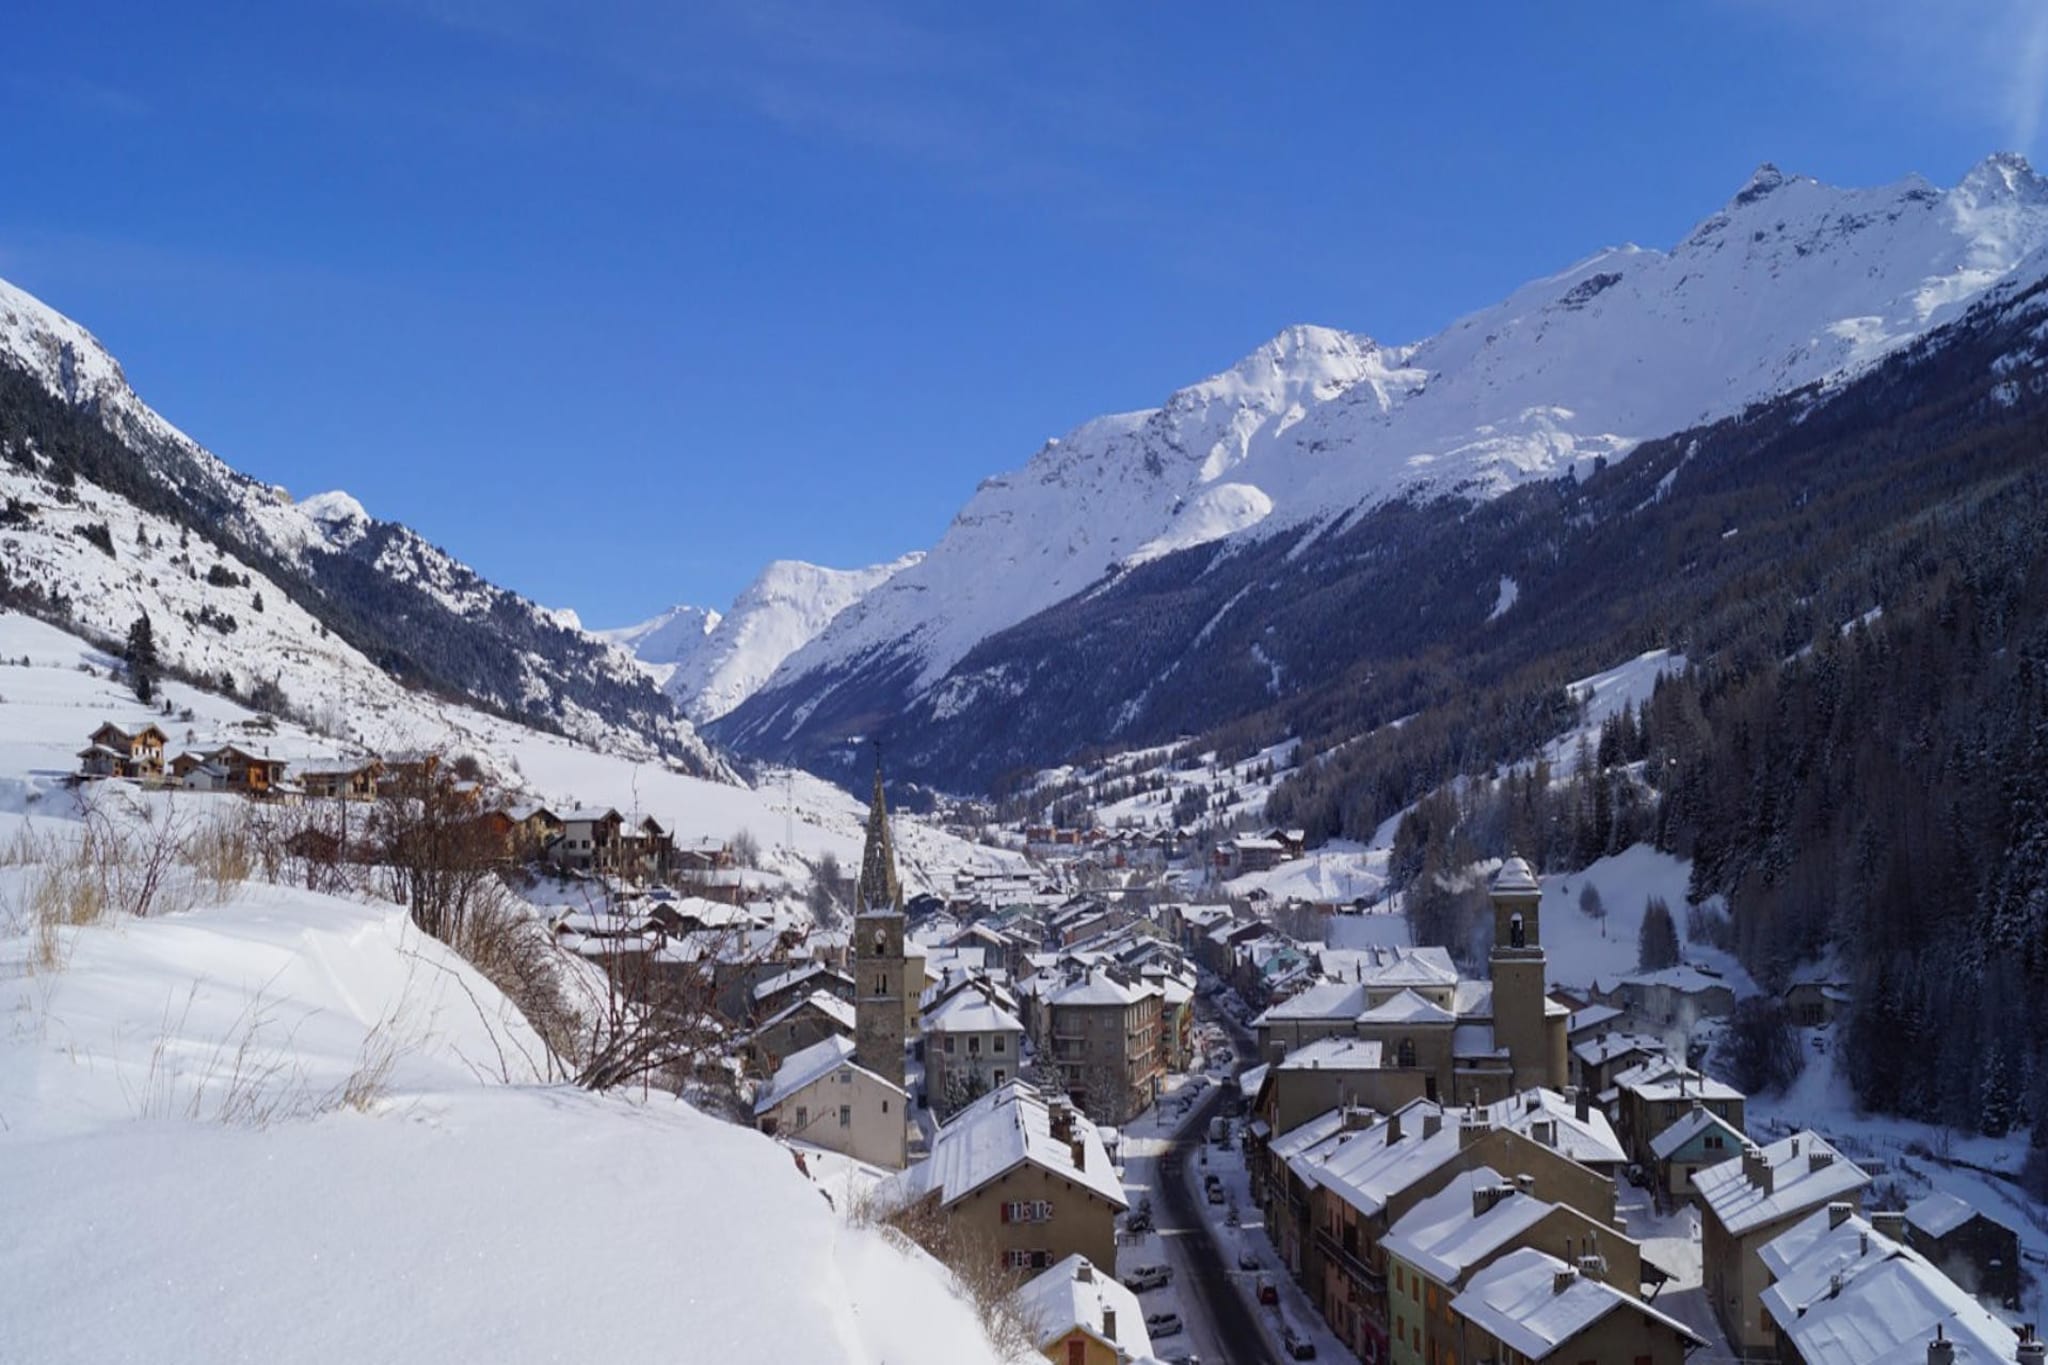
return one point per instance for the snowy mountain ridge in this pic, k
(325, 559)
(711, 661)
(1790, 283)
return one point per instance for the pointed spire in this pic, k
(879, 889)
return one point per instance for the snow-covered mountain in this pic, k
(316, 598)
(1790, 283)
(710, 662)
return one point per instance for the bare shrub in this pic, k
(223, 853)
(516, 954)
(977, 1271)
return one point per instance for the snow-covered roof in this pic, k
(1689, 1126)
(1592, 1016)
(812, 1065)
(1687, 980)
(1444, 1235)
(1366, 1170)
(1406, 1007)
(1325, 1001)
(1608, 1046)
(1516, 877)
(1097, 988)
(1006, 1128)
(971, 1012)
(1251, 1079)
(583, 815)
(1939, 1214)
(1797, 1173)
(1590, 1141)
(1335, 1054)
(1522, 1302)
(824, 1002)
(782, 981)
(1848, 1295)
(1303, 1136)
(1073, 1294)
(1475, 1040)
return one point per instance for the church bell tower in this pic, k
(1521, 1007)
(879, 964)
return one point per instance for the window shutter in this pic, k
(1006, 1213)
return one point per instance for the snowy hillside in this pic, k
(66, 688)
(711, 662)
(408, 610)
(285, 1126)
(1791, 282)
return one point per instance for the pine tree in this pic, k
(140, 656)
(1657, 945)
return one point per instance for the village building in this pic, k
(798, 1025)
(112, 751)
(1969, 1246)
(1079, 1315)
(784, 985)
(1689, 1145)
(1478, 1217)
(1597, 1060)
(341, 781)
(1530, 1306)
(1844, 1292)
(1670, 998)
(1749, 1201)
(249, 774)
(823, 1097)
(1651, 1096)
(1104, 1036)
(589, 840)
(974, 1044)
(1815, 1003)
(1025, 1176)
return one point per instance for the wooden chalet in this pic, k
(114, 752)
(342, 782)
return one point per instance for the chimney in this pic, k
(1393, 1128)
(1432, 1124)
(1592, 1265)
(1472, 1128)
(1890, 1223)
(1061, 1117)
(2033, 1351)
(1941, 1351)
(1080, 1152)
(1085, 1273)
(1564, 1279)
(1819, 1159)
(1356, 1118)
(1583, 1105)
(1526, 1184)
(1839, 1212)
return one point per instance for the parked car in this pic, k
(1267, 1293)
(1162, 1324)
(1144, 1277)
(1247, 1259)
(1215, 1194)
(1298, 1346)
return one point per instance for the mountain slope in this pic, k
(710, 662)
(1790, 283)
(83, 450)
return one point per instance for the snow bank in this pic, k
(448, 1215)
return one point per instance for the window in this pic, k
(999, 1042)
(885, 1106)
(803, 1116)
(974, 1046)
(949, 1042)
(881, 985)
(1077, 1351)
(1715, 1142)
(846, 1076)
(1001, 1076)
(846, 1116)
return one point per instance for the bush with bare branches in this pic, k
(977, 1270)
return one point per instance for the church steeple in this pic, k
(884, 999)
(879, 890)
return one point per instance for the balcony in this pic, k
(1353, 1264)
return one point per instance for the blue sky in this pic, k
(620, 301)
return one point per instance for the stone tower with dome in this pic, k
(1525, 1022)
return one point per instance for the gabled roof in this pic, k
(1939, 1214)
(1609, 1046)
(1444, 1238)
(1590, 1141)
(1366, 1171)
(826, 1004)
(1689, 1126)
(969, 1011)
(1097, 988)
(1326, 1001)
(1335, 1054)
(813, 1064)
(782, 981)
(1804, 1172)
(1518, 1301)
(1009, 1127)
(1848, 1295)
(1071, 1296)
(1592, 1016)
(1407, 1008)
(588, 815)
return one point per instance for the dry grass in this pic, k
(979, 1277)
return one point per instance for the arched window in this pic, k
(881, 941)
(1515, 933)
